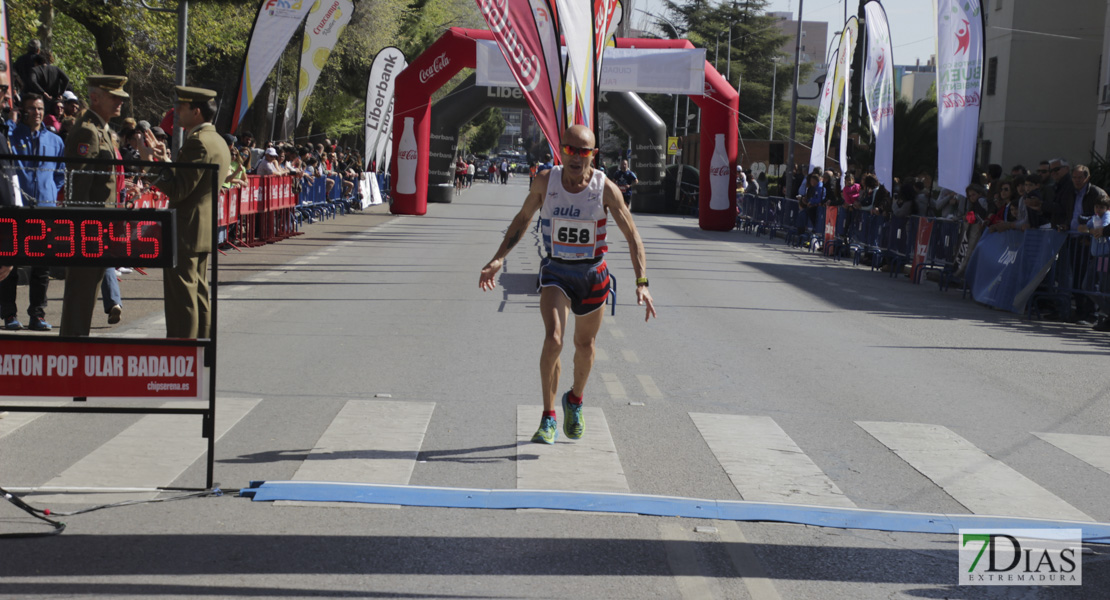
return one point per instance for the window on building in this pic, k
(998, 5)
(985, 152)
(992, 75)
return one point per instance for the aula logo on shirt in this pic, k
(568, 211)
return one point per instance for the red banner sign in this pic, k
(921, 245)
(81, 369)
(831, 214)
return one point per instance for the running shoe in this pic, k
(548, 431)
(12, 324)
(573, 423)
(39, 324)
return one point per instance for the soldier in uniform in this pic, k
(190, 193)
(91, 185)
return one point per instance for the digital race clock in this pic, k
(87, 237)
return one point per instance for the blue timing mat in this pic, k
(660, 506)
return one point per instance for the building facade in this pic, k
(1102, 120)
(1041, 89)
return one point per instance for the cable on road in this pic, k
(44, 514)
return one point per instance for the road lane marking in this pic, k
(587, 464)
(650, 389)
(630, 356)
(748, 566)
(764, 463)
(613, 386)
(1091, 449)
(369, 441)
(617, 333)
(153, 452)
(689, 576)
(973, 478)
(600, 354)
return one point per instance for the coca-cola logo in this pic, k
(526, 67)
(406, 155)
(438, 65)
(958, 100)
(718, 171)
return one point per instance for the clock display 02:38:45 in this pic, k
(87, 237)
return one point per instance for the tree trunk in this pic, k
(46, 26)
(111, 39)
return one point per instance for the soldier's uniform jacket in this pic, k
(190, 190)
(91, 138)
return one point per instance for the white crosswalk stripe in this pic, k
(983, 484)
(151, 453)
(369, 441)
(379, 441)
(764, 463)
(587, 464)
(15, 420)
(1091, 449)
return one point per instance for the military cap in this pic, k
(194, 94)
(113, 84)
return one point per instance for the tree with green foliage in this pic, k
(121, 37)
(491, 124)
(756, 43)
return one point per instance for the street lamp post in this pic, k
(182, 11)
(774, 80)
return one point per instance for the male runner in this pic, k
(574, 201)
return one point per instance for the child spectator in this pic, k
(850, 193)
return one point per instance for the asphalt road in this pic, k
(771, 375)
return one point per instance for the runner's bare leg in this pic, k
(585, 334)
(555, 308)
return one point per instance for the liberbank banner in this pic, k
(959, 84)
(379, 102)
(325, 24)
(277, 21)
(643, 70)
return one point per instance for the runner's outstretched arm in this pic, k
(516, 230)
(620, 214)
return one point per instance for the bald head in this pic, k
(579, 135)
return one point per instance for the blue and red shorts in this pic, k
(585, 283)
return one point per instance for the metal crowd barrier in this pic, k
(1081, 273)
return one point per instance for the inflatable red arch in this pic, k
(455, 50)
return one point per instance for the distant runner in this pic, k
(574, 201)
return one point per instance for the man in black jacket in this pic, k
(7, 195)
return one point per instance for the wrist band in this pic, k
(641, 281)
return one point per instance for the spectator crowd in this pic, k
(1055, 196)
(44, 117)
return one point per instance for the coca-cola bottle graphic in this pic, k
(718, 175)
(406, 159)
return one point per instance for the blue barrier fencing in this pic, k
(1037, 271)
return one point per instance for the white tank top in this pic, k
(573, 225)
